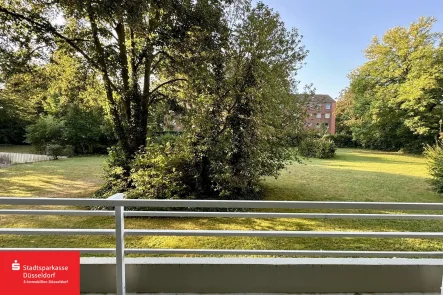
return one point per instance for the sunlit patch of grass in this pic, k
(74, 177)
(354, 175)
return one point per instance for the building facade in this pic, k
(321, 113)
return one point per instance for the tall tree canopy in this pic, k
(225, 70)
(130, 43)
(397, 94)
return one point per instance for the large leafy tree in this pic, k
(397, 93)
(138, 47)
(63, 91)
(20, 104)
(237, 115)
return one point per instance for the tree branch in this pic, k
(166, 55)
(155, 98)
(166, 83)
(143, 54)
(123, 57)
(225, 123)
(108, 84)
(48, 28)
(133, 54)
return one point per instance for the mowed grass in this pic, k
(354, 175)
(73, 177)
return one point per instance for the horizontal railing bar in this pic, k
(282, 215)
(81, 250)
(224, 214)
(238, 252)
(58, 231)
(58, 212)
(284, 252)
(221, 204)
(221, 233)
(287, 234)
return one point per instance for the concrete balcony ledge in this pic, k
(265, 293)
(265, 275)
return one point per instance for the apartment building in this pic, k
(321, 109)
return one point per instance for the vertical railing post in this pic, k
(120, 245)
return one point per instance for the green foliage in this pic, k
(79, 131)
(68, 151)
(236, 110)
(434, 155)
(312, 147)
(141, 50)
(413, 147)
(342, 140)
(164, 138)
(12, 126)
(116, 177)
(55, 150)
(395, 99)
(46, 130)
(13, 121)
(225, 69)
(162, 171)
(63, 91)
(86, 130)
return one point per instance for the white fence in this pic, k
(17, 158)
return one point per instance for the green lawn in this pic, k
(354, 175)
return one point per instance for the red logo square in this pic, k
(40, 272)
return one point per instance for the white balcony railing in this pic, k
(118, 203)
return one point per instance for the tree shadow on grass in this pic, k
(44, 183)
(364, 185)
(230, 242)
(326, 183)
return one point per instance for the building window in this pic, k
(318, 106)
(318, 116)
(328, 106)
(318, 125)
(327, 115)
(326, 124)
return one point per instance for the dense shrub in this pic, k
(12, 124)
(79, 131)
(159, 171)
(86, 130)
(68, 151)
(321, 148)
(413, 147)
(162, 171)
(343, 140)
(55, 150)
(46, 130)
(434, 154)
(169, 167)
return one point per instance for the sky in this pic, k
(336, 32)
